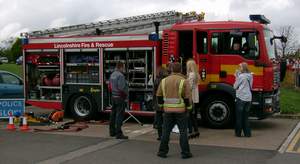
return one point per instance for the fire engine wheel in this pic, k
(83, 107)
(218, 111)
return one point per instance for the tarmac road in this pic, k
(93, 145)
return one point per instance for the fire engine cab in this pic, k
(71, 73)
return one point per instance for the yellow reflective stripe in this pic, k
(180, 88)
(181, 105)
(190, 107)
(231, 68)
(160, 105)
(163, 83)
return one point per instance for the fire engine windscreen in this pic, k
(237, 43)
(270, 43)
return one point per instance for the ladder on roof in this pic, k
(136, 24)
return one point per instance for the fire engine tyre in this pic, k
(218, 111)
(83, 107)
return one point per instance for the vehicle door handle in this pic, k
(203, 60)
(223, 74)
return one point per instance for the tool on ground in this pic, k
(56, 116)
(70, 126)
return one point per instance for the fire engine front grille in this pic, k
(276, 79)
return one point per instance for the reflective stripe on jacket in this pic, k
(174, 91)
(173, 104)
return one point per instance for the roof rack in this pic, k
(120, 25)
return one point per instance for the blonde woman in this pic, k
(193, 77)
(243, 85)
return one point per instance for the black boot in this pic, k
(122, 136)
(197, 135)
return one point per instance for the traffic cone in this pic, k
(24, 126)
(11, 125)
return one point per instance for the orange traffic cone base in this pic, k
(24, 128)
(11, 127)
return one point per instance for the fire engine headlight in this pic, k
(268, 100)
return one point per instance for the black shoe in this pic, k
(158, 138)
(186, 156)
(197, 134)
(112, 134)
(238, 135)
(247, 135)
(122, 137)
(162, 155)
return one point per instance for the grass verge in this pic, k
(289, 100)
(13, 68)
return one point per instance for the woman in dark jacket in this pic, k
(158, 110)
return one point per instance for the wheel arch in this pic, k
(68, 104)
(218, 89)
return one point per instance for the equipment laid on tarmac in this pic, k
(56, 116)
(131, 116)
(70, 126)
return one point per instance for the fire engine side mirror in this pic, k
(282, 39)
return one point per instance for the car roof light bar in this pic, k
(260, 18)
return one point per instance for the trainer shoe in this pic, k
(186, 156)
(162, 155)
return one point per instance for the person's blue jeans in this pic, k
(117, 116)
(242, 113)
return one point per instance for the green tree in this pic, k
(16, 50)
(290, 47)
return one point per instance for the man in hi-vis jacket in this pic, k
(173, 95)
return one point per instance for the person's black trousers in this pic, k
(170, 119)
(242, 113)
(192, 120)
(116, 117)
(159, 122)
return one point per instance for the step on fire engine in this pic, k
(71, 73)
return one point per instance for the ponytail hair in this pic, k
(244, 67)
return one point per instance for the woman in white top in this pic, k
(242, 86)
(193, 77)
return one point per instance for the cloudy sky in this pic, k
(28, 15)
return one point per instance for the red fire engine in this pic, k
(71, 73)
